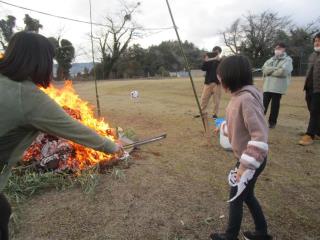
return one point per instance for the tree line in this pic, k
(64, 50)
(253, 35)
(157, 60)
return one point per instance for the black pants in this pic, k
(275, 105)
(313, 102)
(236, 208)
(5, 212)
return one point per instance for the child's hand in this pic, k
(240, 171)
(216, 131)
(119, 149)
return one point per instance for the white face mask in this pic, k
(317, 49)
(278, 53)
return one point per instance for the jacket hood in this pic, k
(253, 91)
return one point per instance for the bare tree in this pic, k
(261, 32)
(255, 34)
(232, 36)
(115, 38)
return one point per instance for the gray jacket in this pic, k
(277, 74)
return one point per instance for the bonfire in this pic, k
(56, 153)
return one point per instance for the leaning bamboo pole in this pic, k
(204, 117)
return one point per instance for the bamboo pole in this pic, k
(94, 65)
(187, 65)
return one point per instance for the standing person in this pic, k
(312, 88)
(276, 75)
(25, 109)
(248, 134)
(211, 87)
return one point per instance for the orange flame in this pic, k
(84, 157)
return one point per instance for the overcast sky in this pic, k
(199, 21)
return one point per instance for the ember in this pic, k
(57, 153)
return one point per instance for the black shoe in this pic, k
(196, 116)
(221, 236)
(256, 236)
(273, 125)
(214, 116)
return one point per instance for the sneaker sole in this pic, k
(244, 237)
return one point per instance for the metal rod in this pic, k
(145, 141)
(94, 65)
(187, 66)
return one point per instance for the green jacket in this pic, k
(277, 74)
(24, 111)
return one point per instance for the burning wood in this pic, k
(50, 152)
(56, 153)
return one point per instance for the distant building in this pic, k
(197, 73)
(194, 72)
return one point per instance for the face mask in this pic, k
(278, 53)
(317, 49)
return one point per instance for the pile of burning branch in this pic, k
(49, 152)
(54, 153)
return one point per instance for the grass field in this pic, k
(177, 188)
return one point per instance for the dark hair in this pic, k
(235, 72)
(212, 54)
(217, 49)
(28, 56)
(281, 44)
(316, 36)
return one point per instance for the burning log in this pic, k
(50, 152)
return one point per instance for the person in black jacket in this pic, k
(312, 88)
(212, 86)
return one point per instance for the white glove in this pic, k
(242, 184)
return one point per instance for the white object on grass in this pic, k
(224, 140)
(134, 95)
(124, 156)
(242, 184)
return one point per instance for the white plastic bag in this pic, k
(224, 141)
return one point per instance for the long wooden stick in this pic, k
(145, 141)
(94, 65)
(187, 65)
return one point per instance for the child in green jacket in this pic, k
(25, 110)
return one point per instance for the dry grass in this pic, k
(177, 189)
